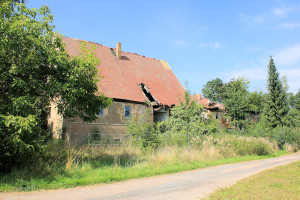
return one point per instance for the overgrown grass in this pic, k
(61, 167)
(285, 137)
(278, 183)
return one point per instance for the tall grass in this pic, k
(62, 166)
(287, 138)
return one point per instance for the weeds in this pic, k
(64, 166)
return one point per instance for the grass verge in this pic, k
(71, 174)
(278, 183)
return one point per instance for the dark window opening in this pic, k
(217, 116)
(160, 116)
(127, 111)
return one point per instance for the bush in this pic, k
(286, 135)
(282, 135)
(143, 130)
(232, 144)
(21, 141)
(179, 140)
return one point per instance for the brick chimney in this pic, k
(199, 96)
(118, 51)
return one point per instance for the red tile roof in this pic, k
(122, 77)
(207, 103)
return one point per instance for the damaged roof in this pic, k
(207, 103)
(122, 78)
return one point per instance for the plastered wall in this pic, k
(112, 121)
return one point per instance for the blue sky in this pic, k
(201, 40)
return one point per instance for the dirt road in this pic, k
(186, 185)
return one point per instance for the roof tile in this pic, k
(122, 77)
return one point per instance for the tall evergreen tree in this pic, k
(276, 106)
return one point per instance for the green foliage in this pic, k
(187, 118)
(186, 121)
(21, 140)
(286, 135)
(296, 101)
(12, 3)
(64, 167)
(276, 104)
(293, 117)
(78, 94)
(291, 99)
(255, 101)
(236, 102)
(282, 135)
(214, 90)
(143, 130)
(35, 70)
(228, 144)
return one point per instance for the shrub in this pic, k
(286, 135)
(21, 140)
(229, 145)
(282, 135)
(143, 130)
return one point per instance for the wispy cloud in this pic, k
(253, 20)
(292, 73)
(180, 43)
(259, 76)
(288, 56)
(214, 45)
(287, 26)
(293, 78)
(251, 73)
(281, 12)
(287, 61)
(272, 16)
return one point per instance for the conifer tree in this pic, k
(276, 104)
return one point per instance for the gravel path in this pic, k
(185, 185)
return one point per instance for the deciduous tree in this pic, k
(236, 102)
(35, 70)
(255, 101)
(214, 90)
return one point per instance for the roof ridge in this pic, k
(111, 47)
(87, 41)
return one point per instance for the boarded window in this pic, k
(127, 111)
(100, 112)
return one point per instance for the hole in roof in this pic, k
(147, 92)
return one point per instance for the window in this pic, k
(217, 116)
(127, 111)
(100, 112)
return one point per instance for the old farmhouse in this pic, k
(217, 110)
(134, 82)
